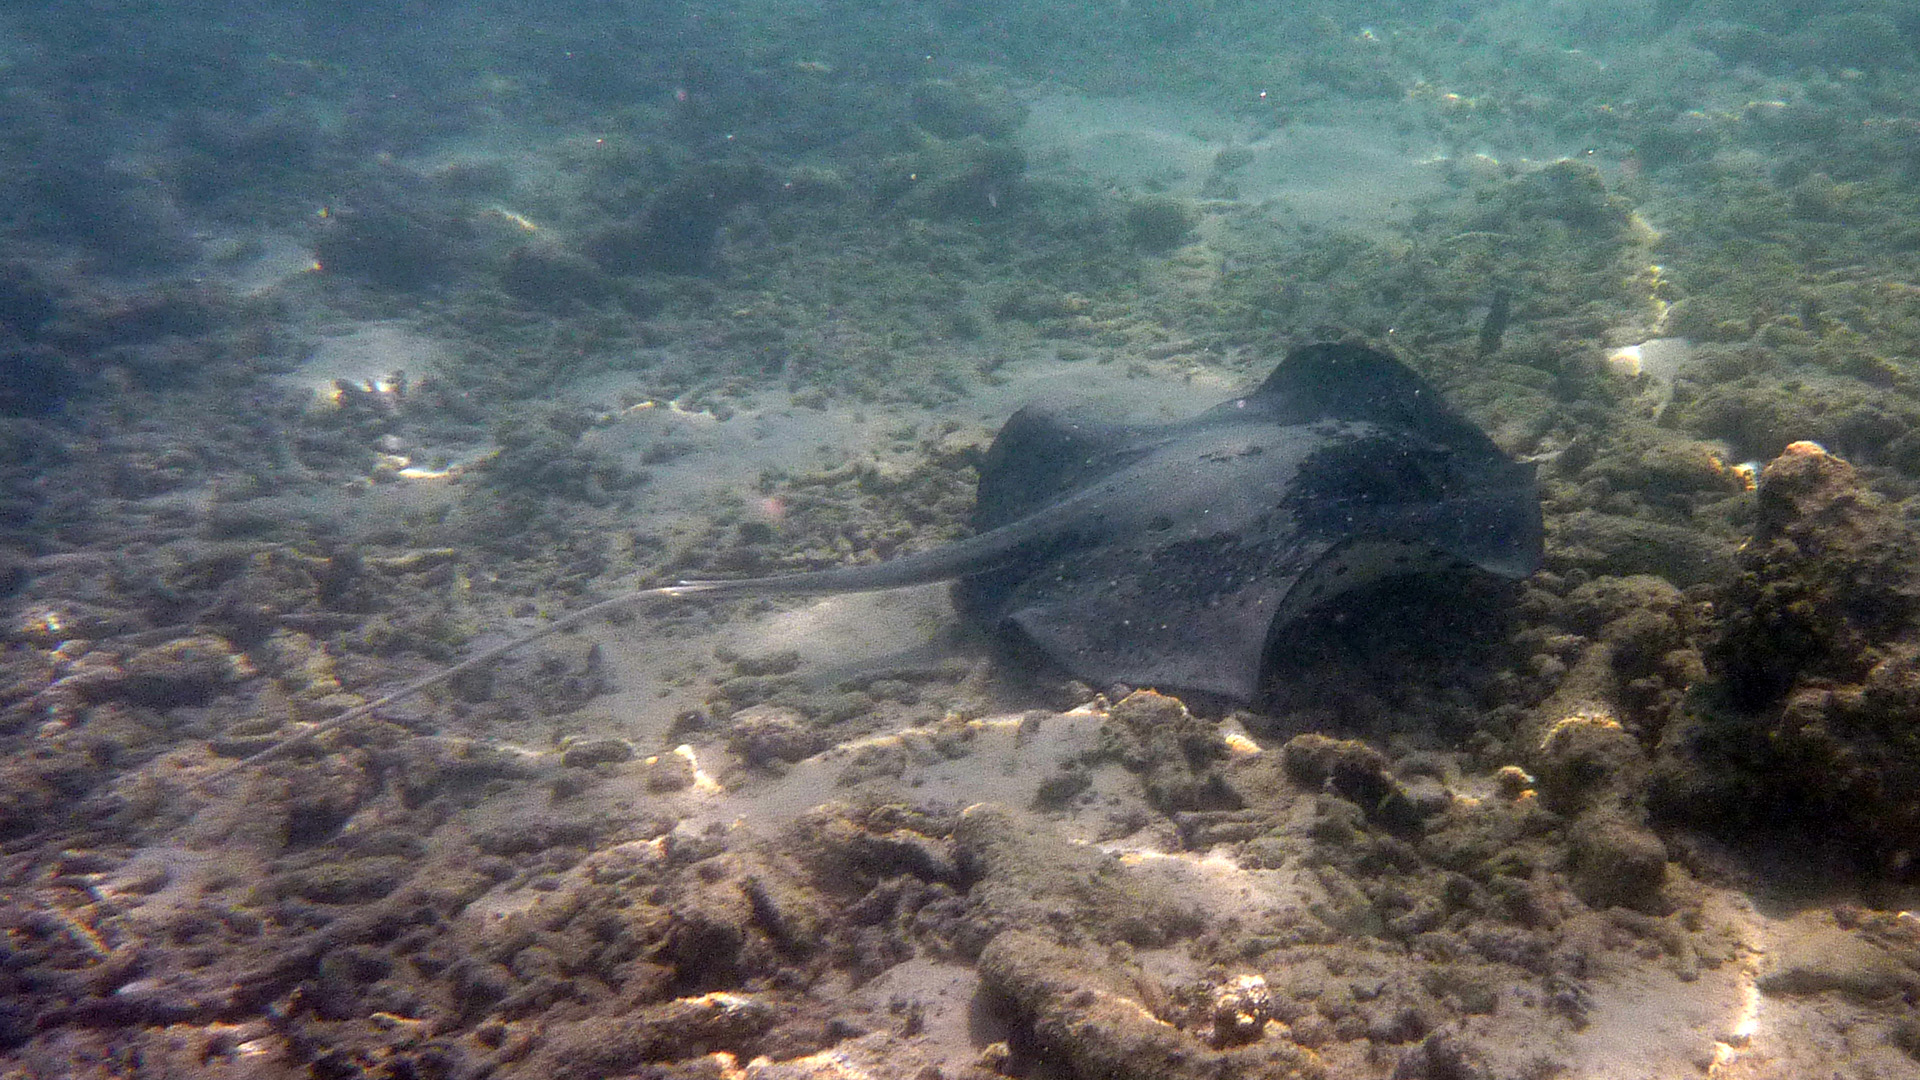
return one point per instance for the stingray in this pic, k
(1170, 555)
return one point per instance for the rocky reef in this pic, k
(1811, 715)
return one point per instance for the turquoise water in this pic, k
(343, 342)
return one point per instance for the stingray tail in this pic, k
(428, 682)
(978, 553)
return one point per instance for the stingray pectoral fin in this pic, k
(1189, 618)
(1219, 651)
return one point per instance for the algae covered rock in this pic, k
(1024, 878)
(949, 110)
(1825, 582)
(547, 276)
(951, 179)
(679, 231)
(1159, 223)
(1099, 1019)
(1817, 669)
(1616, 862)
(1176, 754)
(395, 244)
(1570, 192)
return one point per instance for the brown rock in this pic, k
(1616, 863)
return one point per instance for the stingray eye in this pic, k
(1159, 523)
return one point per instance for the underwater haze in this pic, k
(344, 343)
